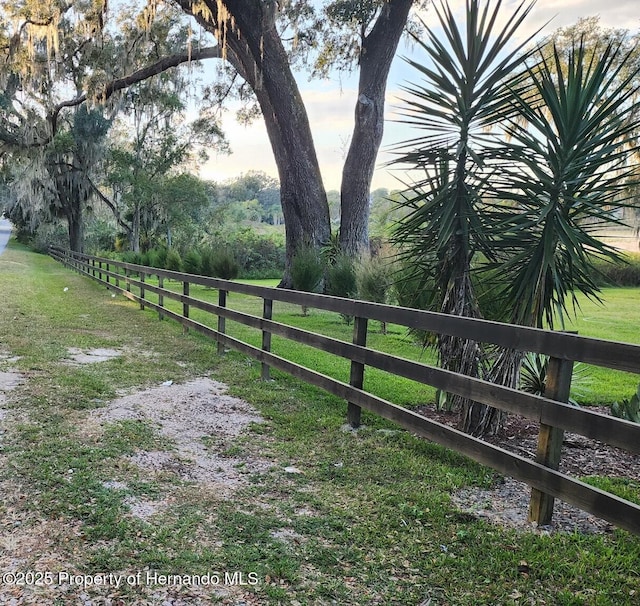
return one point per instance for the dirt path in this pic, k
(198, 425)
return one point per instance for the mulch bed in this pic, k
(507, 503)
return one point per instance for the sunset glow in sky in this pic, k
(330, 103)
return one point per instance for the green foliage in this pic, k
(174, 260)
(258, 256)
(524, 158)
(567, 146)
(626, 272)
(307, 271)
(628, 409)
(224, 265)
(45, 235)
(158, 257)
(192, 262)
(130, 256)
(533, 374)
(374, 280)
(456, 108)
(99, 235)
(206, 266)
(341, 280)
(332, 249)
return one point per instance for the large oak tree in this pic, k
(250, 37)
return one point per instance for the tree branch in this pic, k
(111, 205)
(162, 65)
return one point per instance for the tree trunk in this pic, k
(74, 221)
(458, 354)
(135, 228)
(253, 46)
(378, 49)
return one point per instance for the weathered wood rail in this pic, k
(551, 411)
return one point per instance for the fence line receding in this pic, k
(551, 410)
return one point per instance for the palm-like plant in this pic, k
(461, 98)
(569, 166)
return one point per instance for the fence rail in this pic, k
(551, 411)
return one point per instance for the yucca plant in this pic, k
(533, 375)
(568, 166)
(460, 101)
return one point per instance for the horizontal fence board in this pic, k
(617, 432)
(599, 352)
(619, 511)
(561, 345)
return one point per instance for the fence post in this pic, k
(185, 305)
(126, 278)
(558, 387)
(160, 297)
(142, 290)
(356, 376)
(222, 302)
(108, 269)
(267, 312)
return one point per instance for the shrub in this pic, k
(130, 256)
(161, 257)
(145, 259)
(192, 262)
(624, 273)
(341, 280)
(307, 271)
(157, 257)
(373, 278)
(258, 256)
(99, 235)
(173, 261)
(44, 236)
(206, 265)
(628, 409)
(224, 265)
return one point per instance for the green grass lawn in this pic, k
(368, 521)
(617, 318)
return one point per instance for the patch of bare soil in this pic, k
(9, 380)
(507, 503)
(201, 421)
(91, 356)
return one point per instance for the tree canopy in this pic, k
(257, 42)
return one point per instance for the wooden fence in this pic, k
(551, 411)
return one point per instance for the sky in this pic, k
(330, 103)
